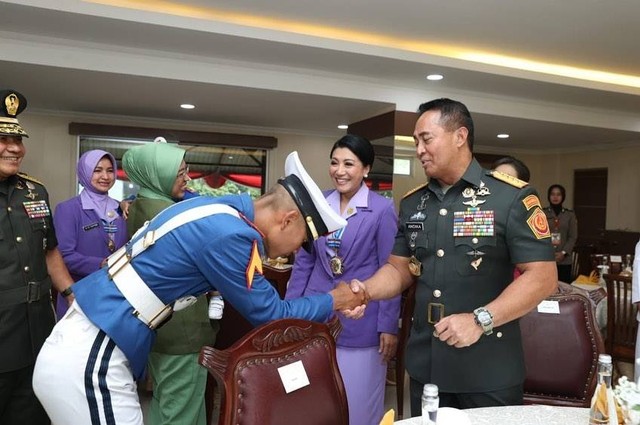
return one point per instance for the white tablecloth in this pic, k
(520, 415)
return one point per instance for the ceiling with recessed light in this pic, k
(554, 75)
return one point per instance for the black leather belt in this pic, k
(30, 293)
(435, 312)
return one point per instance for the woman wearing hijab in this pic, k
(89, 226)
(564, 230)
(364, 346)
(178, 380)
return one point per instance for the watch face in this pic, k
(484, 317)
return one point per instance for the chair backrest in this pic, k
(561, 351)
(622, 325)
(252, 388)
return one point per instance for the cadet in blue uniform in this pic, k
(460, 236)
(192, 247)
(29, 264)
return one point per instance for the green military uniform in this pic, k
(467, 241)
(26, 233)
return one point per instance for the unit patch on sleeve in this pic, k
(255, 264)
(531, 201)
(538, 224)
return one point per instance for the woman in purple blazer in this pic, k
(364, 346)
(89, 226)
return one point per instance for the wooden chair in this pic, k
(622, 325)
(406, 318)
(561, 351)
(252, 389)
(234, 326)
(575, 266)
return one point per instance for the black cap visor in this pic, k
(315, 225)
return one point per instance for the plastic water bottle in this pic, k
(430, 403)
(596, 416)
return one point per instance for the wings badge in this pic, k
(255, 264)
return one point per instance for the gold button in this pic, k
(474, 240)
(19, 239)
(437, 293)
(440, 253)
(26, 269)
(443, 211)
(499, 334)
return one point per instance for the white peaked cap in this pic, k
(321, 219)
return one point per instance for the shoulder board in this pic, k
(414, 190)
(513, 181)
(30, 178)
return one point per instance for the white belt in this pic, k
(147, 306)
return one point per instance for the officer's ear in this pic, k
(461, 135)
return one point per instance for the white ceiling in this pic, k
(307, 66)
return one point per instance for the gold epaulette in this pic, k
(28, 177)
(414, 190)
(509, 179)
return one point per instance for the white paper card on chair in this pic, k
(615, 259)
(547, 306)
(293, 376)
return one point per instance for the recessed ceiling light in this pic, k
(502, 136)
(435, 77)
(343, 126)
(187, 106)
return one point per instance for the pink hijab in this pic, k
(91, 198)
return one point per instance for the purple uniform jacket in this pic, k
(366, 244)
(82, 240)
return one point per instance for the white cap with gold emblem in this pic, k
(321, 219)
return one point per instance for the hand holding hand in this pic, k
(459, 330)
(345, 298)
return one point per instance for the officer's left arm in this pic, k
(60, 277)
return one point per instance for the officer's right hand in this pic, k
(344, 298)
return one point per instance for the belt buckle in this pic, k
(117, 261)
(158, 320)
(33, 292)
(435, 312)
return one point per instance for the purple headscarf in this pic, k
(91, 198)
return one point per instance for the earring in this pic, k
(366, 175)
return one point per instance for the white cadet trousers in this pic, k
(82, 378)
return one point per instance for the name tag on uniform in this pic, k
(414, 226)
(90, 226)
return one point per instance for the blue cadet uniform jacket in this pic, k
(218, 252)
(468, 241)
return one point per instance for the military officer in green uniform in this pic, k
(29, 264)
(460, 236)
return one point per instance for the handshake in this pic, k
(351, 300)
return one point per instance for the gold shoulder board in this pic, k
(30, 178)
(509, 179)
(414, 190)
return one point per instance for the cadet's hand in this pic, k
(344, 298)
(459, 330)
(357, 312)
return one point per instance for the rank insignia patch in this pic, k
(531, 201)
(538, 224)
(255, 264)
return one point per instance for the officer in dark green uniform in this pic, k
(29, 263)
(460, 236)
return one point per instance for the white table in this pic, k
(521, 415)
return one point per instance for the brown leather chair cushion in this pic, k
(561, 351)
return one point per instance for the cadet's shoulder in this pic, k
(30, 178)
(414, 190)
(508, 179)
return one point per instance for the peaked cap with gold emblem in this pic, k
(12, 103)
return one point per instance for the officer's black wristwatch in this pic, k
(68, 291)
(484, 319)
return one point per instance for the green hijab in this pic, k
(154, 167)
